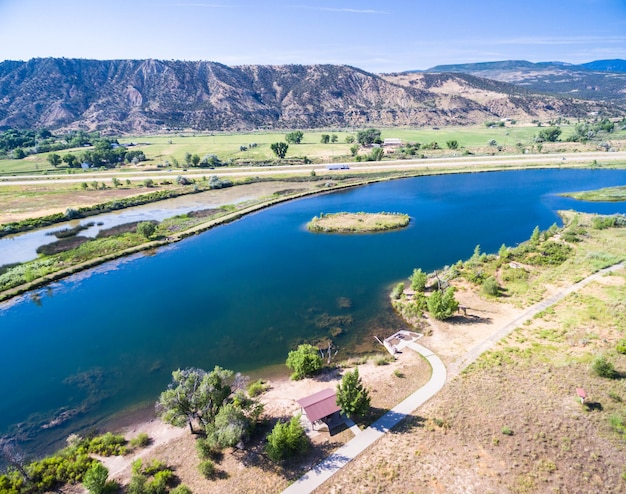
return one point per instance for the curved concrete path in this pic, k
(326, 469)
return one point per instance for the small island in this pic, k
(357, 222)
(608, 194)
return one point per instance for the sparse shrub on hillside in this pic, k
(603, 368)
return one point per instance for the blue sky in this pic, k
(378, 36)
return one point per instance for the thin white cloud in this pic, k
(344, 10)
(573, 40)
(204, 5)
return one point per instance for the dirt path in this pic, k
(464, 361)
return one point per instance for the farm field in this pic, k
(170, 148)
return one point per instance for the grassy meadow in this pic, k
(227, 146)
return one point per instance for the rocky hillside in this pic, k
(597, 80)
(134, 96)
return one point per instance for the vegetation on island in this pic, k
(608, 194)
(357, 222)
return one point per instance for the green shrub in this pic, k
(207, 469)
(141, 441)
(286, 440)
(418, 280)
(490, 287)
(397, 291)
(507, 431)
(108, 445)
(181, 489)
(603, 368)
(304, 361)
(256, 388)
(442, 305)
(621, 346)
(95, 479)
(204, 448)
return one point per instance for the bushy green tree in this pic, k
(54, 159)
(286, 440)
(418, 280)
(229, 427)
(95, 479)
(490, 287)
(194, 395)
(325, 138)
(352, 397)
(146, 228)
(304, 361)
(367, 137)
(442, 305)
(603, 368)
(452, 144)
(376, 154)
(550, 134)
(294, 137)
(279, 149)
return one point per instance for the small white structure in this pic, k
(392, 141)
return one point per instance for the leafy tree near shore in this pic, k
(279, 149)
(442, 305)
(418, 280)
(194, 395)
(146, 228)
(304, 361)
(352, 396)
(286, 440)
(95, 480)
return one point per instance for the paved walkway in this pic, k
(322, 472)
(326, 469)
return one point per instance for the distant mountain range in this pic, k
(597, 80)
(135, 96)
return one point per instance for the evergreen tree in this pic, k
(352, 396)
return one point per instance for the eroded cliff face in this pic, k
(133, 96)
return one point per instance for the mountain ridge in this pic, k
(135, 96)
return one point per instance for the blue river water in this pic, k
(242, 295)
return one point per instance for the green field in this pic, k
(161, 148)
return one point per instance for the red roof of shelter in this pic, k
(581, 392)
(320, 404)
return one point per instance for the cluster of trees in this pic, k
(294, 137)
(70, 465)
(20, 143)
(328, 138)
(106, 152)
(369, 137)
(584, 132)
(207, 161)
(441, 304)
(213, 401)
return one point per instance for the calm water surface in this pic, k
(242, 295)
